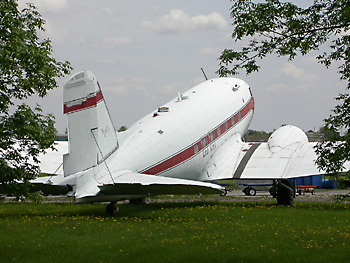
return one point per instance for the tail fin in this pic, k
(91, 134)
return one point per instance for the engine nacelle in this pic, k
(284, 136)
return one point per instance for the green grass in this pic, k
(181, 232)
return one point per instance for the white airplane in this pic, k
(180, 148)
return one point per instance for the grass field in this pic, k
(181, 232)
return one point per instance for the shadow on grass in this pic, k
(8, 210)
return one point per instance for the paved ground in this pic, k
(321, 195)
(237, 195)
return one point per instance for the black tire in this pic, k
(273, 191)
(246, 191)
(284, 193)
(252, 192)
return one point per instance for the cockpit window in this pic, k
(250, 91)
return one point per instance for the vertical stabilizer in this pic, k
(91, 133)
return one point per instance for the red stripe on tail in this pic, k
(90, 102)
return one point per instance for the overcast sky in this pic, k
(144, 52)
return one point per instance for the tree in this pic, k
(285, 29)
(329, 135)
(26, 68)
(257, 136)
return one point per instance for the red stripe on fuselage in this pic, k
(248, 107)
(189, 152)
(90, 102)
(175, 160)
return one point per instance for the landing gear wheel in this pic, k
(273, 191)
(285, 192)
(252, 191)
(313, 192)
(112, 208)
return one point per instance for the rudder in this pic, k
(91, 134)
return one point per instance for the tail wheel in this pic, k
(285, 192)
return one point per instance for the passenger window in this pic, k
(212, 136)
(250, 91)
(204, 142)
(195, 148)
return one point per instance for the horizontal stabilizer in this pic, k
(52, 161)
(142, 184)
(54, 185)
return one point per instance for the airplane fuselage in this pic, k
(179, 148)
(179, 138)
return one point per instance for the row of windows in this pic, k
(212, 136)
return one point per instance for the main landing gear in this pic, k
(112, 208)
(284, 191)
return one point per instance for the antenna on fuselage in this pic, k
(204, 74)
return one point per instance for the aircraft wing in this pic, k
(285, 155)
(126, 183)
(143, 184)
